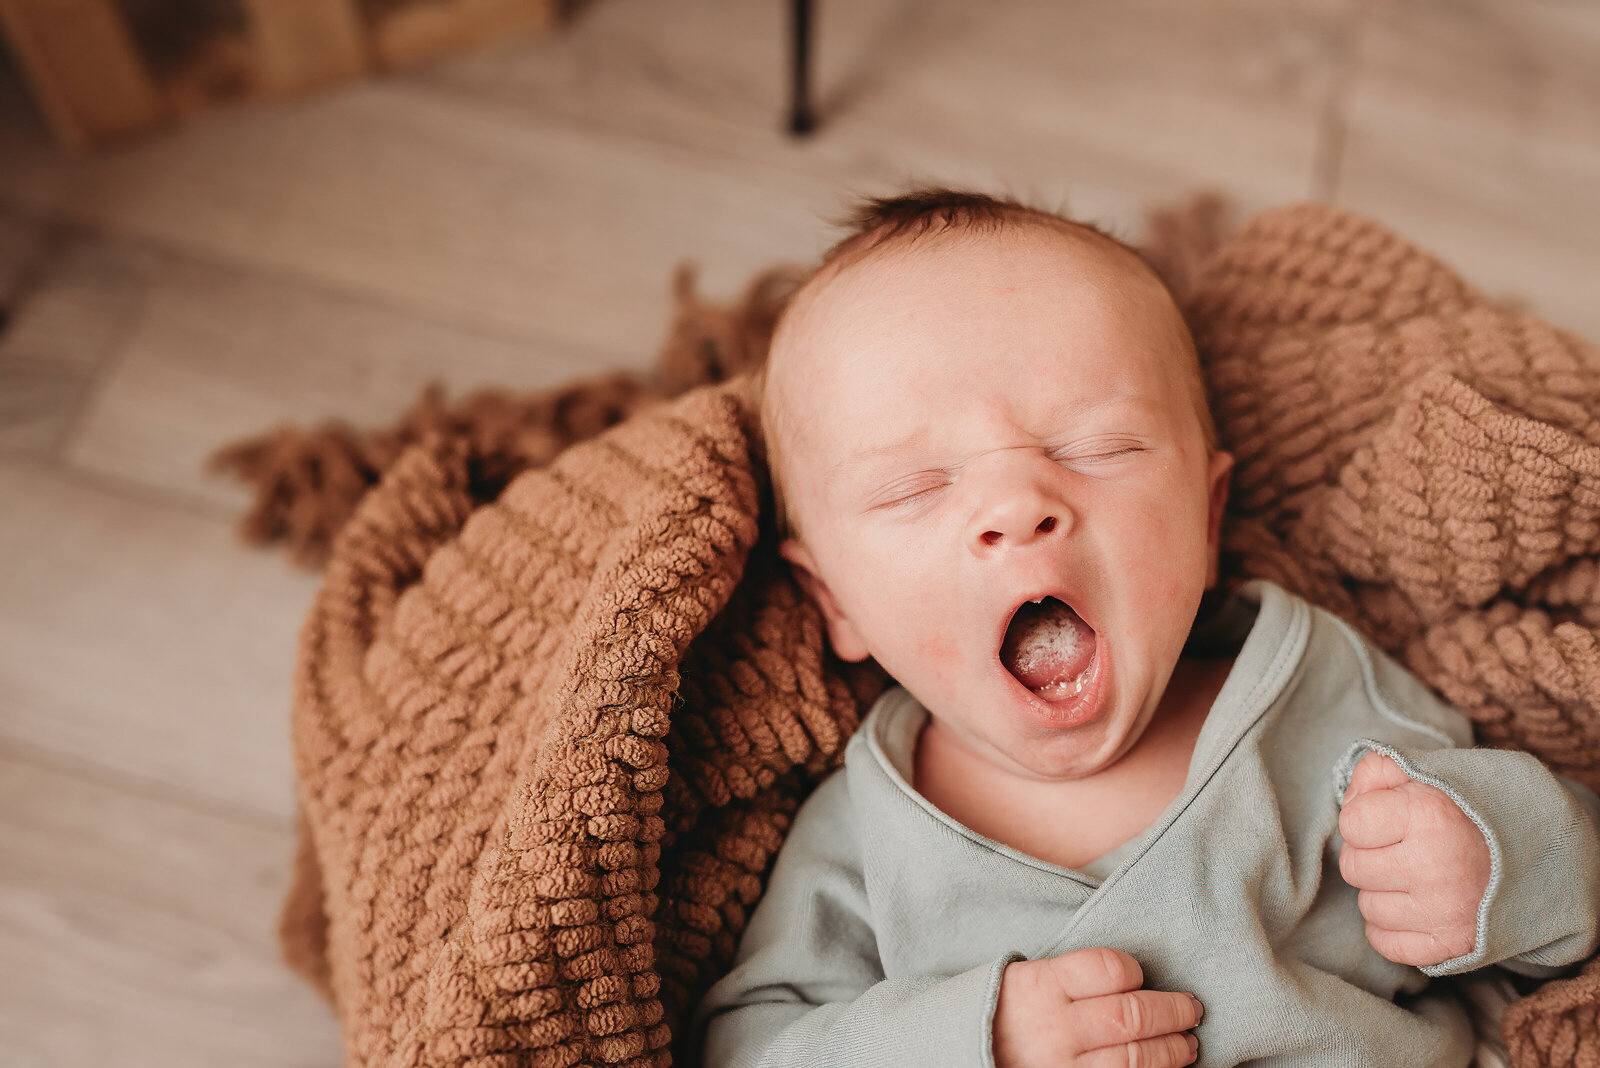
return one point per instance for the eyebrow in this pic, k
(1072, 412)
(850, 463)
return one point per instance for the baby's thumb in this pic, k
(1374, 772)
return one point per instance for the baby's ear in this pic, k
(1219, 476)
(846, 642)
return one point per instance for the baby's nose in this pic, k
(1014, 520)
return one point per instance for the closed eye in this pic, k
(913, 498)
(910, 492)
(1096, 456)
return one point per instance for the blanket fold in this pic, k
(557, 698)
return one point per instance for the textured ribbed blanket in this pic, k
(556, 699)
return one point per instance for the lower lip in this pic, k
(1073, 711)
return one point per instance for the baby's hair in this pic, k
(878, 222)
(881, 224)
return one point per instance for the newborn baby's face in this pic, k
(977, 423)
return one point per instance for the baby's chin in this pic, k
(1027, 753)
(1067, 760)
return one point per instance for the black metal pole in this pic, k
(801, 121)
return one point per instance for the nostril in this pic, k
(991, 537)
(1046, 525)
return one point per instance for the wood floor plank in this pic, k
(21, 235)
(465, 213)
(143, 639)
(220, 353)
(1474, 129)
(140, 932)
(70, 295)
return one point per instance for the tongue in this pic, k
(1047, 647)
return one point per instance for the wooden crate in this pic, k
(402, 32)
(104, 69)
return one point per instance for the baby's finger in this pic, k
(1376, 869)
(1376, 819)
(1095, 972)
(1415, 948)
(1118, 1019)
(1165, 1051)
(1393, 912)
(1374, 772)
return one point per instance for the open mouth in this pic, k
(1049, 649)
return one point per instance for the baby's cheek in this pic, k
(936, 648)
(1170, 548)
(938, 657)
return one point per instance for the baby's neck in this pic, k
(1073, 822)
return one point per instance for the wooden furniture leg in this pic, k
(801, 119)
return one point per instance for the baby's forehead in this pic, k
(854, 288)
(862, 289)
(863, 294)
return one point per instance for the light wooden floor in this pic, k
(512, 217)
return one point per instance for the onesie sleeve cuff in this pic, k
(941, 1022)
(991, 1002)
(949, 1015)
(1541, 905)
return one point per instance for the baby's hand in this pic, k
(1421, 865)
(1085, 1008)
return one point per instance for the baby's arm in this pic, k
(808, 988)
(1468, 857)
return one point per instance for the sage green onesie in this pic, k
(885, 927)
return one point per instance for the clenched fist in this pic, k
(1086, 1008)
(1420, 863)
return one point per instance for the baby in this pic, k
(1083, 813)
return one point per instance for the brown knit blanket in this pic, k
(555, 706)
